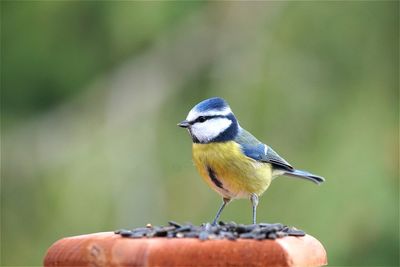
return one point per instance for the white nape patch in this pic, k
(193, 114)
(208, 130)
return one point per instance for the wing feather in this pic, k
(256, 150)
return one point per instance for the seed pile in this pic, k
(222, 230)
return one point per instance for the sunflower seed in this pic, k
(172, 223)
(206, 231)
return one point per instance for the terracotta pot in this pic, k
(109, 249)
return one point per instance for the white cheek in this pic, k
(210, 129)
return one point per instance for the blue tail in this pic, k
(306, 175)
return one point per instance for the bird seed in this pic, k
(206, 231)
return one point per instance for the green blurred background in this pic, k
(92, 92)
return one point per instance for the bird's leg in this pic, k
(225, 201)
(254, 203)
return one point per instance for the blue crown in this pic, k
(215, 103)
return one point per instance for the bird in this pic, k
(231, 160)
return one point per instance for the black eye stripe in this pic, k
(205, 118)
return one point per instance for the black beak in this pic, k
(184, 124)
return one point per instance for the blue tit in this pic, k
(230, 159)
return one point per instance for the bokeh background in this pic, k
(92, 92)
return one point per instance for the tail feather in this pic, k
(306, 175)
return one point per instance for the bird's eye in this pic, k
(201, 119)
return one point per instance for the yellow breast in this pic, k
(229, 172)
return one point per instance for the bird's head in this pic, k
(211, 120)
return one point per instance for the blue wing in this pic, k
(256, 150)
